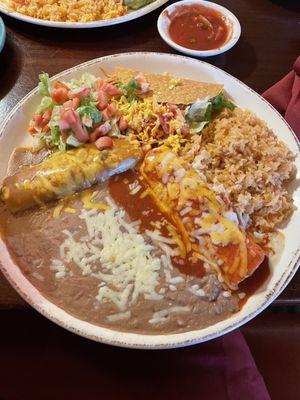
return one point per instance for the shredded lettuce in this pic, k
(129, 89)
(44, 90)
(72, 141)
(86, 78)
(89, 80)
(54, 121)
(220, 102)
(197, 111)
(199, 126)
(115, 131)
(44, 84)
(90, 112)
(201, 112)
(55, 135)
(45, 104)
(90, 99)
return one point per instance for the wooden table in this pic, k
(265, 52)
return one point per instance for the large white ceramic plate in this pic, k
(13, 133)
(79, 25)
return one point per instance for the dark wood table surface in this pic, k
(269, 45)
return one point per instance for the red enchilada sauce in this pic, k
(250, 285)
(198, 28)
(144, 209)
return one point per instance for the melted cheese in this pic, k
(87, 198)
(179, 192)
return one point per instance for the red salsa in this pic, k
(198, 28)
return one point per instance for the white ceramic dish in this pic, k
(80, 25)
(234, 28)
(13, 133)
(2, 34)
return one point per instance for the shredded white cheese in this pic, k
(185, 211)
(153, 297)
(164, 315)
(128, 267)
(59, 268)
(196, 291)
(119, 316)
(226, 294)
(156, 237)
(135, 190)
(176, 279)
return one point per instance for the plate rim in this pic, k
(2, 34)
(85, 25)
(135, 340)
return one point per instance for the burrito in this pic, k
(62, 174)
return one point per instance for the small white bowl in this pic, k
(234, 31)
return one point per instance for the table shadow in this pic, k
(240, 61)
(11, 62)
(292, 5)
(43, 34)
(136, 35)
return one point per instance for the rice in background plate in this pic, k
(68, 10)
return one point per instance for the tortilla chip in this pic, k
(170, 89)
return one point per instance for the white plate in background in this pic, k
(131, 15)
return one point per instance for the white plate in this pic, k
(13, 133)
(79, 25)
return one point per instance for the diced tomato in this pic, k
(111, 90)
(60, 95)
(100, 131)
(102, 100)
(69, 119)
(46, 117)
(105, 115)
(37, 118)
(32, 130)
(46, 129)
(108, 88)
(79, 93)
(111, 110)
(163, 122)
(94, 135)
(173, 108)
(74, 103)
(64, 136)
(143, 84)
(123, 124)
(59, 84)
(104, 142)
(185, 129)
